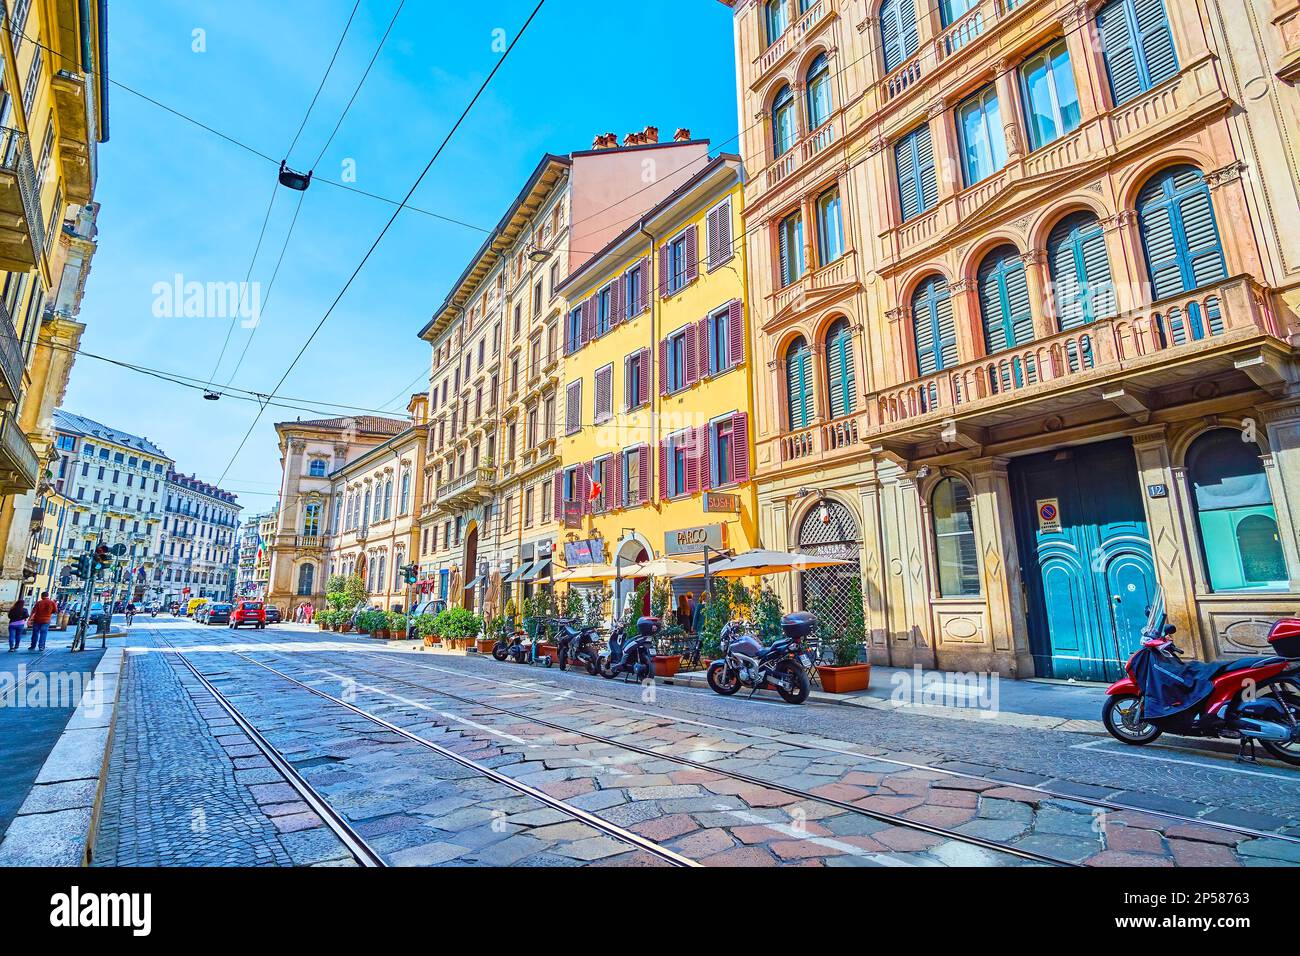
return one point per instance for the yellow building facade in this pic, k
(658, 384)
(53, 115)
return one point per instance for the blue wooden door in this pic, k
(1085, 556)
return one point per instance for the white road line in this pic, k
(1223, 767)
(797, 833)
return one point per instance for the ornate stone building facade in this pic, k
(1069, 290)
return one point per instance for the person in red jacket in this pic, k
(42, 611)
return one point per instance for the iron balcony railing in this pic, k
(11, 355)
(18, 452)
(16, 157)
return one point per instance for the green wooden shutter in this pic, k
(1179, 232)
(1119, 51)
(1004, 300)
(899, 38)
(1081, 280)
(918, 186)
(1159, 59)
(933, 328)
(798, 384)
(840, 375)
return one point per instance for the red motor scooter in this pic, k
(1247, 699)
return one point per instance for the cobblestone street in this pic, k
(438, 759)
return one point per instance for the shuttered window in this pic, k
(933, 328)
(918, 187)
(783, 122)
(799, 387)
(604, 407)
(775, 20)
(898, 36)
(1004, 300)
(840, 375)
(1082, 287)
(573, 407)
(721, 246)
(1179, 232)
(819, 92)
(1137, 46)
(790, 249)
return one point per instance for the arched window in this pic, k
(898, 36)
(388, 499)
(840, 375)
(799, 387)
(933, 330)
(819, 92)
(404, 502)
(306, 579)
(1082, 287)
(317, 468)
(1179, 232)
(830, 227)
(954, 539)
(381, 573)
(1004, 300)
(365, 508)
(1234, 512)
(783, 122)
(775, 19)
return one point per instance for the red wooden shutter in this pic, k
(692, 365)
(614, 480)
(663, 272)
(643, 474)
(559, 497)
(663, 366)
(643, 288)
(740, 446)
(585, 470)
(705, 346)
(703, 448)
(720, 242)
(713, 227)
(692, 255)
(692, 461)
(588, 320)
(663, 469)
(735, 333)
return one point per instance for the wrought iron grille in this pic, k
(830, 530)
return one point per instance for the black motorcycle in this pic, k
(784, 666)
(576, 643)
(631, 654)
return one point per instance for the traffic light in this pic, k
(411, 572)
(103, 559)
(80, 566)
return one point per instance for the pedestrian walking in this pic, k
(17, 621)
(311, 612)
(697, 619)
(40, 621)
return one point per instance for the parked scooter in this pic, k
(579, 644)
(631, 654)
(1248, 699)
(745, 662)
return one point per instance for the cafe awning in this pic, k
(539, 569)
(520, 573)
(475, 583)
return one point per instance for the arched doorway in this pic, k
(471, 567)
(829, 530)
(631, 551)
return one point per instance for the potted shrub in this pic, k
(397, 625)
(425, 629)
(460, 626)
(492, 630)
(846, 644)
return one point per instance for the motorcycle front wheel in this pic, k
(721, 680)
(1122, 716)
(563, 655)
(798, 677)
(1288, 752)
(593, 666)
(500, 651)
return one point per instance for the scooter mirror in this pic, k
(1170, 629)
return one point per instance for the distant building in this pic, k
(196, 545)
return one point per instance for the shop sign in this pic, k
(591, 551)
(719, 502)
(694, 540)
(573, 514)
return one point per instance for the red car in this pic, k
(249, 612)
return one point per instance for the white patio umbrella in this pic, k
(761, 562)
(586, 574)
(662, 568)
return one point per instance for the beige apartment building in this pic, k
(374, 515)
(1025, 288)
(497, 342)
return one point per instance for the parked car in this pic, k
(272, 614)
(249, 612)
(201, 613)
(96, 613)
(432, 606)
(218, 613)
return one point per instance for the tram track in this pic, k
(1098, 803)
(344, 830)
(893, 819)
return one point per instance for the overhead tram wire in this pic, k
(388, 225)
(289, 234)
(319, 156)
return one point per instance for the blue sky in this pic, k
(179, 200)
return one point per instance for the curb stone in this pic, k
(56, 824)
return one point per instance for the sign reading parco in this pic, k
(694, 540)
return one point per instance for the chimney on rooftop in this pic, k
(651, 134)
(682, 135)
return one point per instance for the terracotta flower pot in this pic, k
(844, 680)
(485, 645)
(429, 640)
(548, 650)
(666, 665)
(346, 628)
(382, 633)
